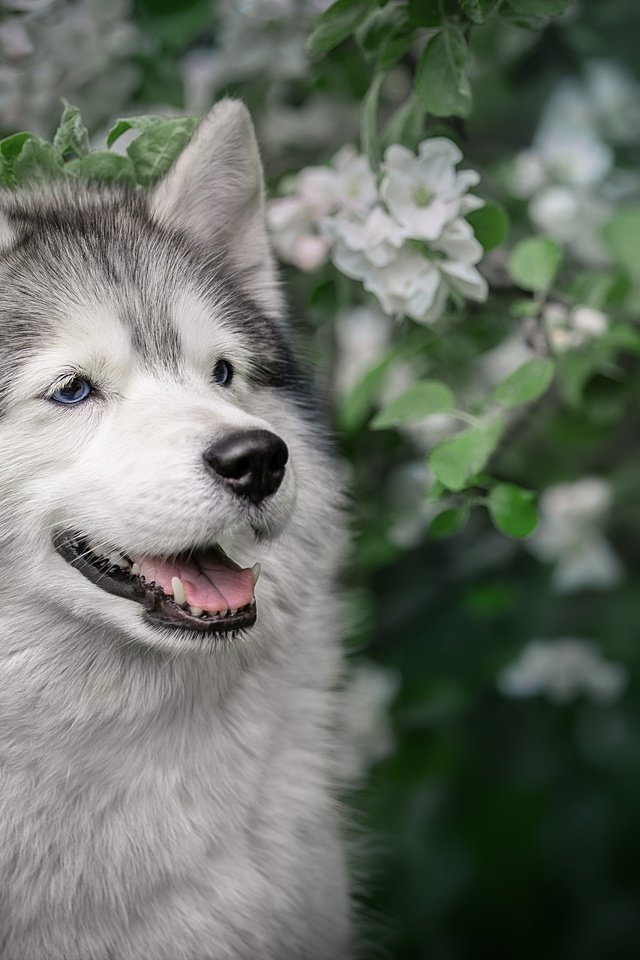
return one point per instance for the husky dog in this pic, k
(167, 738)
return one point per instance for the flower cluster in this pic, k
(562, 670)
(569, 535)
(55, 48)
(407, 241)
(568, 328)
(568, 174)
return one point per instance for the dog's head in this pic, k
(148, 434)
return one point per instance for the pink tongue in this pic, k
(208, 583)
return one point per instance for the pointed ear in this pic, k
(215, 193)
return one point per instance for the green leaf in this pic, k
(512, 510)
(576, 367)
(11, 146)
(71, 136)
(37, 162)
(129, 123)
(490, 225)
(527, 383)
(435, 492)
(449, 522)
(155, 150)
(378, 26)
(6, 174)
(355, 408)
(395, 47)
(142, 123)
(534, 263)
(457, 460)
(599, 288)
(337, 23)
(386, 35)
(406, 125)
(425, 13)
(441, 77)
(103, 166)
(420, 400)
(524, 308)
(621, 236)
(369, 122)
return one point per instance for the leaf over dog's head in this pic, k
(215, 194)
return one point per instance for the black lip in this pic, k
(160, 610)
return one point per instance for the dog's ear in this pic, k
(215, 193)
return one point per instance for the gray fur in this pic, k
(160, 797)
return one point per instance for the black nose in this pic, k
(251, 461)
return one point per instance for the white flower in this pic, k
(295, 236)
(410, 253)
(569, 535)
(571, 328)
(355, 183)
(572, 154)
(424, 193)
(297, 222)
(589, 322)
(409, 284)
(572, 216)
(528, 173)
(375, 241)
(562, 670)
(405, 278)
(461, 249)
(569, 169)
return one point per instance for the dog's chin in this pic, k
(193, 594)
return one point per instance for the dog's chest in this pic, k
(191, 839)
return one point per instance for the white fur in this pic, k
(165, 798)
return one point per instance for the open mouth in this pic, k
(204, 591)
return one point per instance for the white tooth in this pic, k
(231, 612)
(256, 570)
(135, 569)
(225, 544)
(178, 591)
(196, 611)
(116, 560)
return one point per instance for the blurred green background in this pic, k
(493, 697)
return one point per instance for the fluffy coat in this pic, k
(162, 795)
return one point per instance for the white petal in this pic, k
(466, 279)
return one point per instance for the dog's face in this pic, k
(147, 437)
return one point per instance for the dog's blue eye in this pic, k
(73, 391)
(223, 373)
